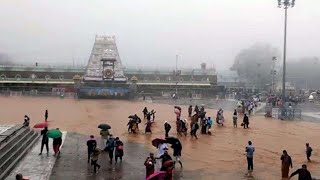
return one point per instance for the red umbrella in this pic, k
(157, 141)
(41, 125)
(157, 175)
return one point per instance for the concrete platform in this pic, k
(35, 166)
(4, 128)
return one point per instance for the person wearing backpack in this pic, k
(110, 147)
(119, 149)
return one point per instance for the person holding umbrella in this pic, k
(57, 140)
(104, 132)
(161, 145)
(45, 140)
(177, 148)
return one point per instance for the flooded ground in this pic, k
(220, 156)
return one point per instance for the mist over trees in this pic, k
(254, 64)
(304, 73)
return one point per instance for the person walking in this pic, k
(286, 162)
(119, 149)
(250, 150)
(245, 121)
(177, 148)
(46, 115)
(150, 163)
(91, 144)
(110, 147)
(194, 130)
(145, 112)
(56, 145)
(45, 140)
(190, 111)
(94, 159)
(148, 127)
(303, 173)
(104, 133)
(308, 151)
(164, 158)
(167, 128)
(235, 119)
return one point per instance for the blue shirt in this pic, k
(250, 150)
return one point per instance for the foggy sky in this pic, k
(154, 31)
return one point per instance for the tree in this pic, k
(254, 64)
(304, 73)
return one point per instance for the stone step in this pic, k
(16, 152)
(38, 167)
(11, 138)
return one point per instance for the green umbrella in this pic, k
(54, 133)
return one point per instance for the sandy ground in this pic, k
(220, 155)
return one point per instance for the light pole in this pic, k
(285, 4)
(176, 74)
(273, 72)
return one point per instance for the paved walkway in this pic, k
(311, 114)
(72, 164)
(35, 166)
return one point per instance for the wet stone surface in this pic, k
(72, 163)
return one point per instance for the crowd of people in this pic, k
(112, 146)
(166, 164)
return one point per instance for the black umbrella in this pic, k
(202, 114)
(172, 140)
(104, 126)
(132, 117)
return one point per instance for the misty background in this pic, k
(152, 32)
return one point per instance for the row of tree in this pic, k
(254, 65)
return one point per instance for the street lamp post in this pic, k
(285, 4)
(176, 74)
(273, 72)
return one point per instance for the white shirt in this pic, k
(161, 148)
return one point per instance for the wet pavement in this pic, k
(4, 128)
(72, 163)
(35, 166)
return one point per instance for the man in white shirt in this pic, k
(161, 149)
